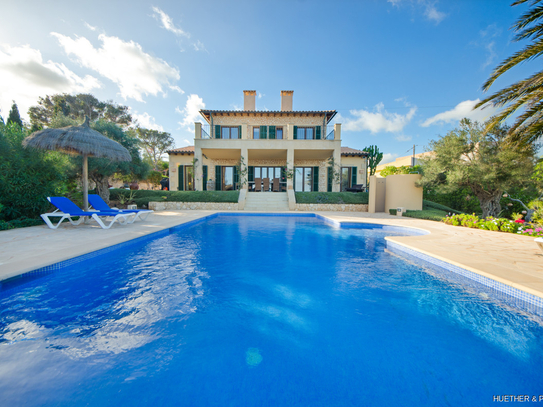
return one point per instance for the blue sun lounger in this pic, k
(100, 205)
(67, 209)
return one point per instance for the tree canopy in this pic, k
(482, 161)
(525, 95)
(155, 143)
(14, 116)
(76, 107)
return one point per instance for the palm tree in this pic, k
(527, 93)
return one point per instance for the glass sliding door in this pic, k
(189, 178)
(272, 173)
(228, 178)
(303, 179)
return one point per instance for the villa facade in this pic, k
(267, 151)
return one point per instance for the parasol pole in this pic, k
(85, 183)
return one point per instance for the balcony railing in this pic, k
(331, 134)
(206, 131)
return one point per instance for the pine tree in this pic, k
(14, 116)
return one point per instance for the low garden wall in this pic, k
(216, 206)
(332, 207)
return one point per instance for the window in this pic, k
(279, 133)
(306, 133)
(229, 132)
(345, 178)
(189, 178)
(256, 133)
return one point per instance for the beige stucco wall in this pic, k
(401, 191)
(377, 194)
(360, 164)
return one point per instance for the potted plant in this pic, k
(211, 185)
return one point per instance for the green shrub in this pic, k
(143, 197)
(339, 198)
(19, 223)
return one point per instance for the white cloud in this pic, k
(403, 137)
(430, 10)
(177, 89)
(378, 120)
(147, 121)
(90, 27)
(388, 158)
(25, 76)
(433, 14)
(462, 110)
(125, 63)
(486, 41)
(260, 95)
(167, 23)
(191, 111)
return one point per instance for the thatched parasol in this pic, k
(79, 140)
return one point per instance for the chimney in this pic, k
(249, 97)
(286, 100)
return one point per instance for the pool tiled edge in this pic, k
(511, 295)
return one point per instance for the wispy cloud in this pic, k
(487, 41)
(378, 120)
(177, 89)
(90, 27)
(199, 46)
(167, 23)
(403, 137)
(191, 111)
(135, 72)
(25, 76)
(429, 8)
(462, 110)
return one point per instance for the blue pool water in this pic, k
(260, 311)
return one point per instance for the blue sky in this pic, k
(399, 72)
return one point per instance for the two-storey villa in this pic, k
(267, 151)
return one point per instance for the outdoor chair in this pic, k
(258, 184)
(276, 185)
(266, 184)
(66, 209)
(99, 204)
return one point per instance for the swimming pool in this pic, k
(260, 310)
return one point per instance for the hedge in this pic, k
(332, 197)
(143, 197)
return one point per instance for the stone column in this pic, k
(243, 178)
(198, 173)
(336, 187)
(290, 167)
(337, 131)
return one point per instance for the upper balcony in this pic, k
(268, 132)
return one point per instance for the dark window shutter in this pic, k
(315, 179)
(272, 133)
(317, 132)
(239, 132)
(295, 133)
(204, 174)
(218, 180)
(217, 131)
(330, 176)
(251, 174)
(353, 176)
(263, 132)
(181, 178)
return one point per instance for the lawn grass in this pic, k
(430, 211)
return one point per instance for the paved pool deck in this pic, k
(505, 257)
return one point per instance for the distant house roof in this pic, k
(351, 152)
(345, 151)
(189, 150)
(207, 114)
